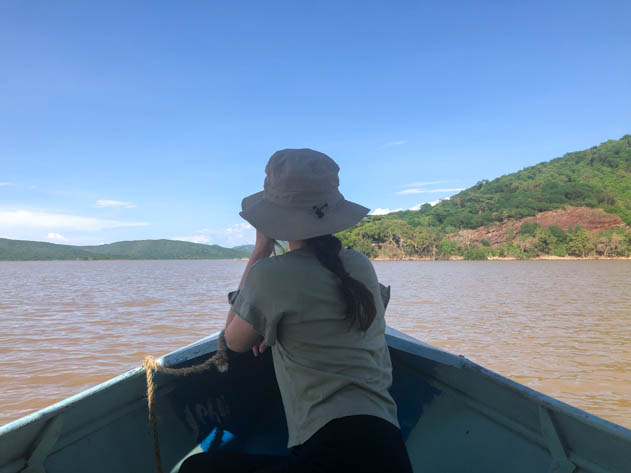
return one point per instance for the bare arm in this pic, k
(240, 335)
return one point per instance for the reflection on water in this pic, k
(561, 327)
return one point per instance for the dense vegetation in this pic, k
(596, 178)
(396, 239)
(17, 250)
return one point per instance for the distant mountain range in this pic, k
(247, 248)
(20, 250)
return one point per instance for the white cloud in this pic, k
(426, 191)
(194, 239)
(56, 237)
(395, 143)
(239, 229)
(102, 203)
(423, 183)
(27, 219)
(234, 235)
(432, 203)
(2, 184)
(380, 211)
(237, 234)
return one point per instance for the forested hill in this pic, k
(19, 250)
(597, 180)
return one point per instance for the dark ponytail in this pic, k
(360, 303)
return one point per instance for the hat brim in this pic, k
(289, 223)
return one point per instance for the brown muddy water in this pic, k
(560, 327)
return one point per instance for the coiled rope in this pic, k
(219, 360)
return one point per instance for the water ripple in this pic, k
(561, 327)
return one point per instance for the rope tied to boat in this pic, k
(219, 361)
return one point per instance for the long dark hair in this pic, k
(360, 303)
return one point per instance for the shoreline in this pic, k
(120, 259)
(512, 258)
(379, 258)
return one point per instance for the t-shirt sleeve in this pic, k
(258, 302)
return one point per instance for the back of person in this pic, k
(320, 309)
(326, 368)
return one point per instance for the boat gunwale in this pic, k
(396, 339)
(204, 346)
(545, 400)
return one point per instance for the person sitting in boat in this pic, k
(320, 309)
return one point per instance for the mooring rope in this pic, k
(219, 360)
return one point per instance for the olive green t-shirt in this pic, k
(325, 368)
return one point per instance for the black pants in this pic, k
(356, 443)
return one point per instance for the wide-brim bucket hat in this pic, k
(300, 198)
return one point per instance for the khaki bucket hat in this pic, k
(300, 198)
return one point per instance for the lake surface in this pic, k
(560, 327)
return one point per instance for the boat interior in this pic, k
(455, 416)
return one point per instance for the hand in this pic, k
(264, 245)
(259, 348)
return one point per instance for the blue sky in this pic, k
(133, 120)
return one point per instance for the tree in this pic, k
(527, 247)
(426, 244)
(616, 245)
(475, 254)
(544, 240)
(603, 246)
(557, 232)
(510, 234)
(528, 228)
(578, 242)
(447, 248)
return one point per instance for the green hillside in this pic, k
(596, 178)
(141, 249)
(245, 248)
(20, 250)
(164, 249)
